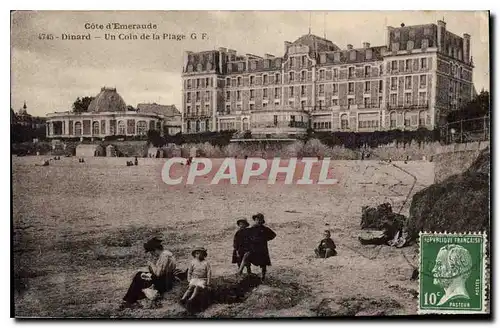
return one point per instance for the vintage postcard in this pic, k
(250, 164)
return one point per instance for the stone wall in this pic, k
(456, 158)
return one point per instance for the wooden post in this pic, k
(485, 129)
(461, 131)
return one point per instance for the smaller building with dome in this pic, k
(107, 115)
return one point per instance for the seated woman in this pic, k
(326, 247)
(159, 276)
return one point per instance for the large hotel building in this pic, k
(422, 73)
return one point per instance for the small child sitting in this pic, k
(199, 274)
(326, 247)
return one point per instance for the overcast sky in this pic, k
(50, 74)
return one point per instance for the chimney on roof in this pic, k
(269, 56)
(366, 45)
(466, 48)
(222, 49)
(287, 44)
(441, 32)
(402, 24)
(349, 47)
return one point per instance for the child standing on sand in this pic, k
(241, 243)
(199, 274)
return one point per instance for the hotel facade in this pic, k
(415, 80)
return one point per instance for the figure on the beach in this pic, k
(136, 162)
(159, 276)
(199, 274)
(45, 162)
(241, 243)
(189, 161)
(259, 235)
(326, 247)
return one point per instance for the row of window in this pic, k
(198, 110)
(408, 80)
(367, 103)
(408, 99)
(197, 96)
(408, 65)
(322, 125)
(303, 90)
(121, 128)
(199, 83)
(409, 119)
(198, 126)
(410, 45)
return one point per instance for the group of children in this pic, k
(249, 248)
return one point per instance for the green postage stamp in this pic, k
(452, 273)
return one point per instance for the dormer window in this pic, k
(409, 45)
(395, 46)
(190, 68)
(425, 43)
(322, 58)
(336, 56)
(199, 67)
(352, 55)
(368, 54)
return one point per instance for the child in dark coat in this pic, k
(259, 235)
(241, 244)
(326, 247)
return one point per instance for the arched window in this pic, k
(188, 126)
(407, 119)
(142, 128)
(78, 128)
(421, 118)
(392, 118)
(121, 128)
(245, 124)
(197, 127)
(344, 122)
(95, 127)
(207, 124)
(303, 75)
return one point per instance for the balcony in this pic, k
(279, 125)
(408, 106)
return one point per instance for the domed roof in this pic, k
(108, 100)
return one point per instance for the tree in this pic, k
(477, 108)
(155, 138)
(82, 104)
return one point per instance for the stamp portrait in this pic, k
(452, 273)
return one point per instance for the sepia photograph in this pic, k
(250, 164)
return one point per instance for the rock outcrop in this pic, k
(460, 203)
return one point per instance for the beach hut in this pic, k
(89, 150)
(110, 151)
